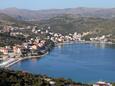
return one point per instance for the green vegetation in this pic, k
(113, 84)
(1, 53)
(6, 39)
(18, 78)
(69, 24)
(8, 20)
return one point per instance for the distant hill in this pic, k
(8, 20)
(5, 19)
(68, 24)
(100, 21)
(36, 15)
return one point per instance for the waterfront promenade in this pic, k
(13, 61)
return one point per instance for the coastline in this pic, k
(21, 59)
(11, 61)
(88, 42)
(56, 44)
(70, 44)
(39, 56)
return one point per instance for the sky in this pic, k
(56, 4)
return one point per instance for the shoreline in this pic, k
(85, 42)
(56, 44)
(21, 59)
(40, 56)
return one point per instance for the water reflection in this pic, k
(60, 45)
(104, 45)
(34, 59)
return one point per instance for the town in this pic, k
(39, 42)
(36, 45)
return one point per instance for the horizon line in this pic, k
(58, 8)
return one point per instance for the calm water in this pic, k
(79, 62)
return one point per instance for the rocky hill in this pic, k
(65, 20)
(69, 24)
(8, 20)
(36, 15)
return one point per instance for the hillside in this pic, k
(8, 20)
(69, 24)
(23, 78)
(36, 15)
(5, 19)
(65, 23)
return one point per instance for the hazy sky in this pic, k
(49, 4)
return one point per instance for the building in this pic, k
(101, 83)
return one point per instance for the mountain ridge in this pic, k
(37, 15)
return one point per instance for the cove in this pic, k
(80, 62)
